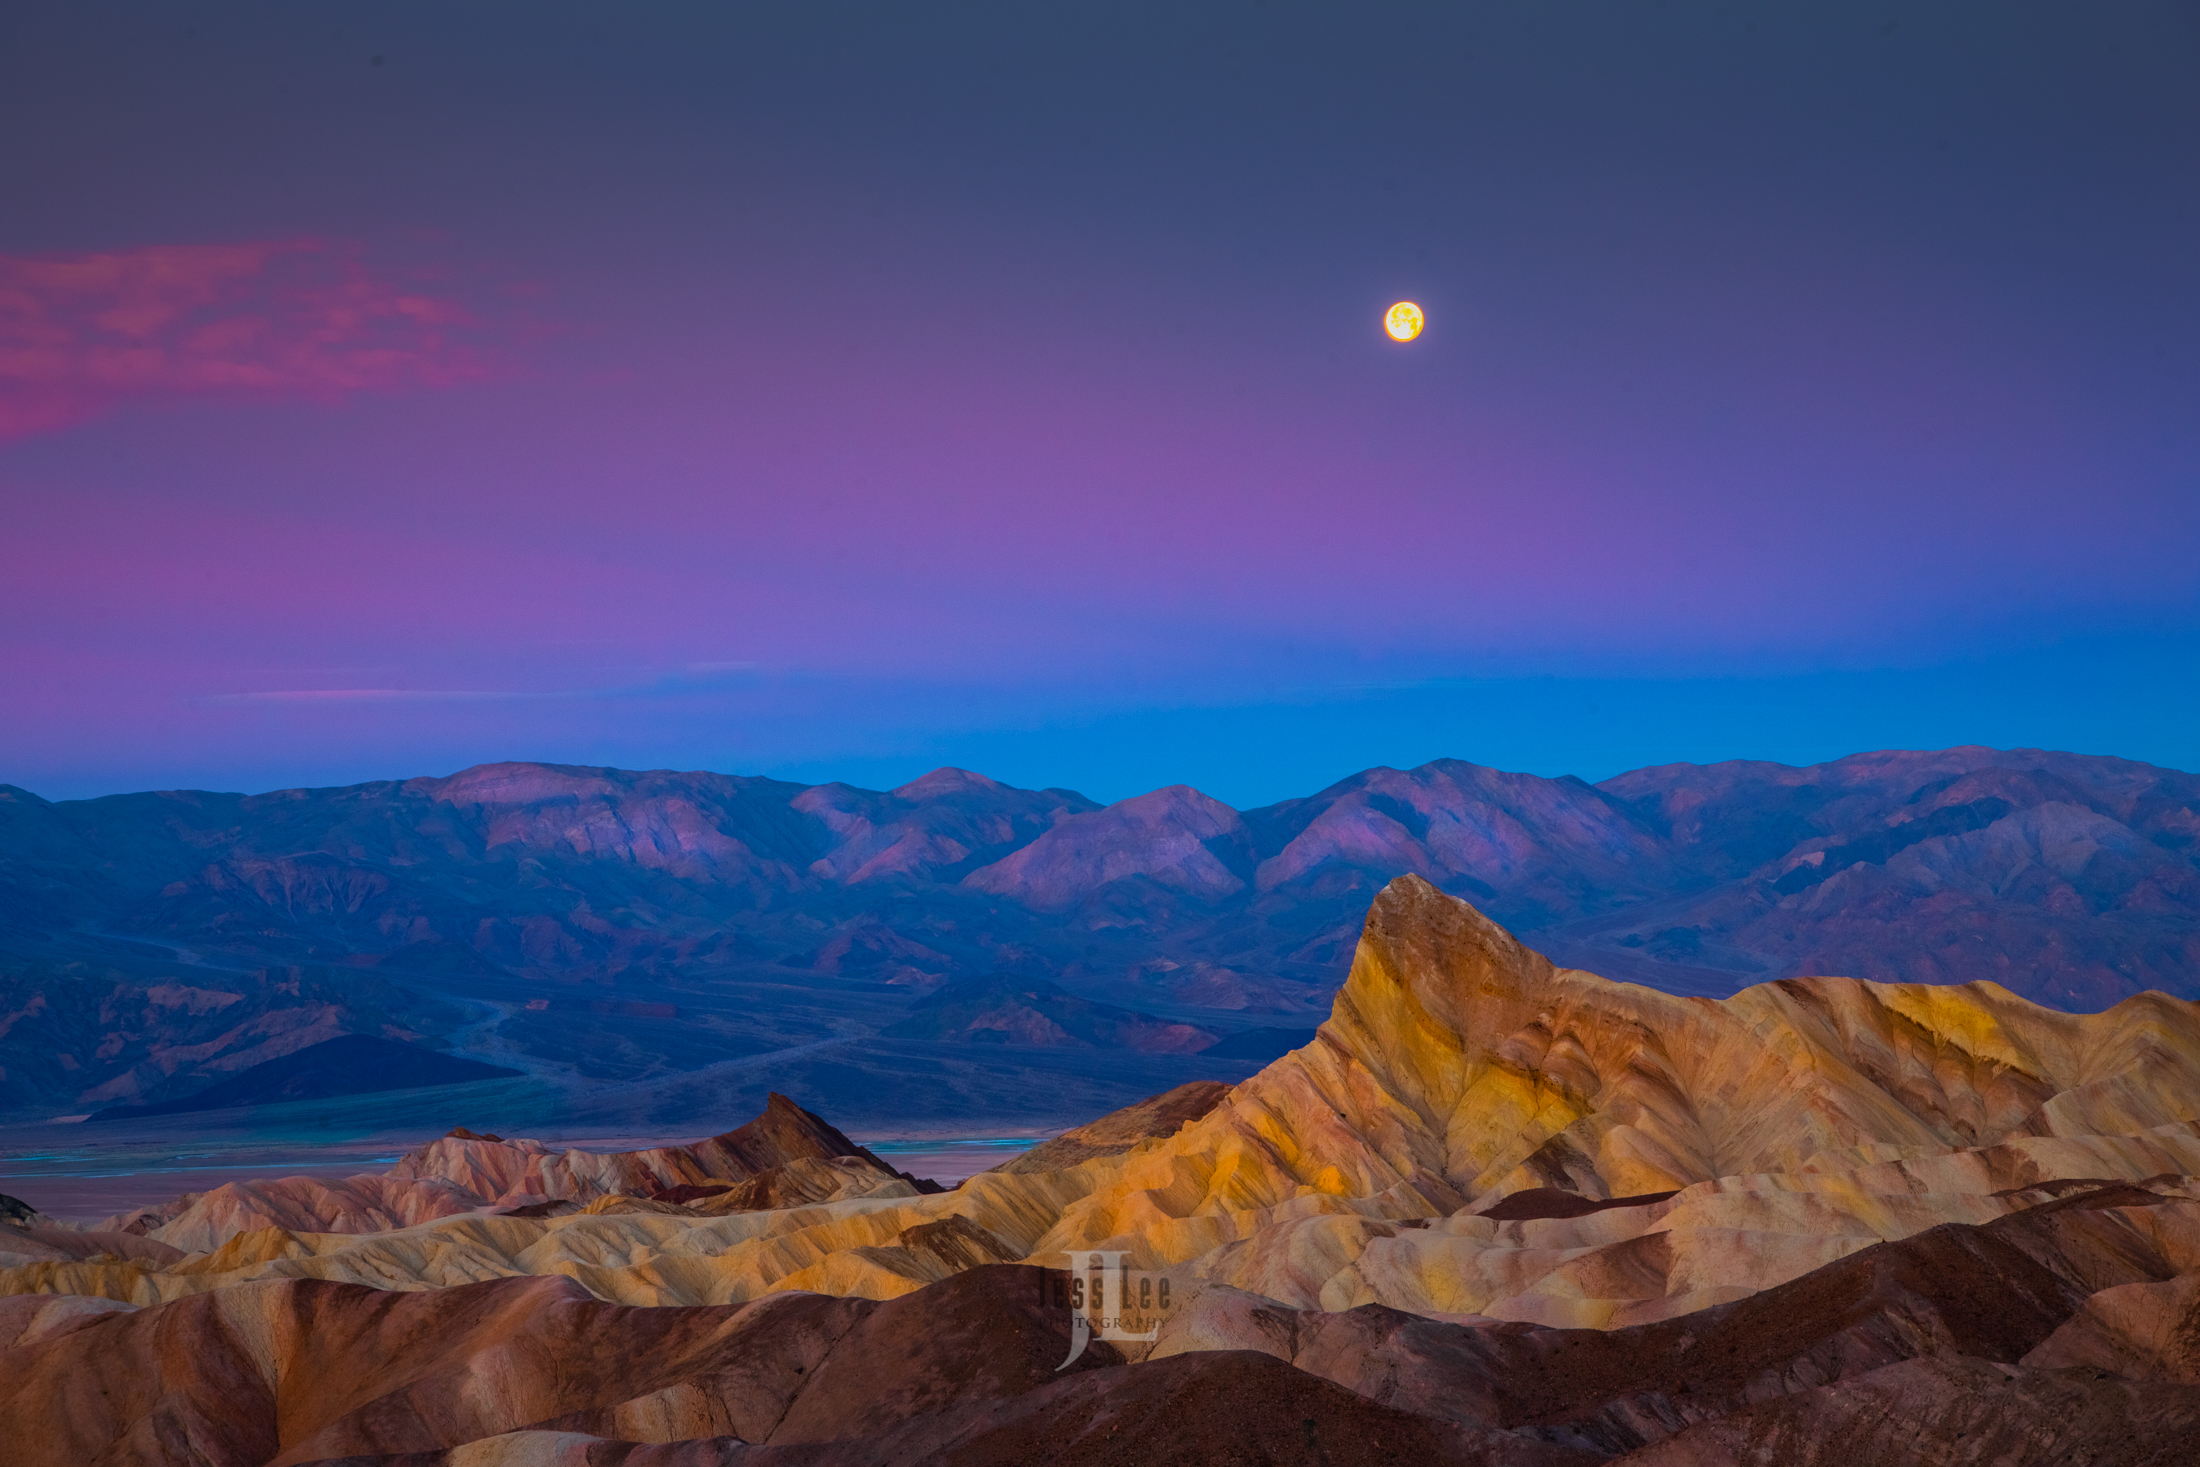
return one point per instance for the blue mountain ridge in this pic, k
(608, 928)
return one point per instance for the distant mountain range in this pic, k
(607, 926)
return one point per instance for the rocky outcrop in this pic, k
(512, 1172)
(796, 1183)
(1458, 1064)
(199, 1222)
(1118, 1131)
(57, 1244)
(789, 1154)
(28, 1319)
(2142, 1331)
(16, 1213)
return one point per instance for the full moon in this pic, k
(1403, 321)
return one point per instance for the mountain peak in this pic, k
(1174, 838)
(1171, 798)
(943, 781)
(522, 783)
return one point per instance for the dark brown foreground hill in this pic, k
(294, 1372)
(1985, 1344)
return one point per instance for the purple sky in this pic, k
(836, 391)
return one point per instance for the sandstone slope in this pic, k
(1939, 1348)
(464, 1173)
(1458, 1065)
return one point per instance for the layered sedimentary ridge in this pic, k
(1458, 1065)
(1497, 1211)
(785, 1155)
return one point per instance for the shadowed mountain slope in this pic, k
(350, 1064)
(938, 828)
(2068, 878)
(1036, 1012)
(1175, 841)
(295, 1373)
(1538, 849)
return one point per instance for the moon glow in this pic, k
(1403, 321)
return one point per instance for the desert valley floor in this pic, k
(1496, 1212)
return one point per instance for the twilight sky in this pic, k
(835, 390)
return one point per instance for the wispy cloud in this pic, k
(300, 317)
(377, 695)
(694, 677)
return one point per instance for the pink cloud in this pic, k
(301, 317)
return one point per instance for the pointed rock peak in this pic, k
(786, 1132)
(944, 781)
(782, 1133)
(1413, 928)
(17, 1213)
(1433, 980)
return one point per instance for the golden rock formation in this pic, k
(1458, 1066)
(1748, 1142)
